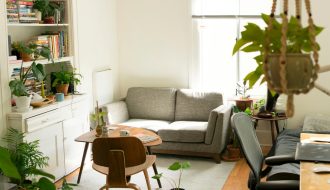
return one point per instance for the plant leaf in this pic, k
(7, 166)
(239, 43)
(175, 166)
(157, 176)
(252, 48)
(35, 171)
(185, 165)
(45, 184)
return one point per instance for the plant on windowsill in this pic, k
(298, 41)
(64, 78)
(175, 167)
(243, 102)
(21, 161)
(17, 86)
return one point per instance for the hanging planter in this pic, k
(286, 72)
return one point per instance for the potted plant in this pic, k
(17, 86)
(98, 122)
(254, 39)
(176, 185)
(21, 161)
(48, 10)
(244, 101)
(64, 78)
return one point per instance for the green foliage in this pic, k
(241, 90)
(17, 86)
(66, 77)
(67, 186)
(46, 7)
(174, 167)
(258, 104)
(253, 40)
(22, 160)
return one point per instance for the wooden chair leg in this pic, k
(104, 187)
(145, 172)
(133, 186)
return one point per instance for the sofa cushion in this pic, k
(153, 125)
(317, 123)
(184, 131)
(194, 105)
(151, 103)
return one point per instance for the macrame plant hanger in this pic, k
(283, 87)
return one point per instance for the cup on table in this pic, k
(124, 133)
(59, 97)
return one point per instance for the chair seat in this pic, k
(150, 159)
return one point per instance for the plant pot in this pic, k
(22, 102)
(299, 71)
(62, 88)
(232, 153)
(98, 130)
(49, 20)
(242, 104)
(26, 57)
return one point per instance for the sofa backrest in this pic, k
(151, 103)
(194, 105)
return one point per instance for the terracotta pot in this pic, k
(232, 153)
(62, 88)
(49, 20)
(242, 104)
(26, 57)
(299, 71)
(98, 130)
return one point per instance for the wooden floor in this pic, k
(237, 179)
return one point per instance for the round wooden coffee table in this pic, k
(114, 131)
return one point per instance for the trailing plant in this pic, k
(21, 161)
(17, 86)
(174, 167)
(253, 39)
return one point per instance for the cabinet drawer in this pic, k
(46, 119)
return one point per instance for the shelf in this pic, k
(35, 25)
(42, 61)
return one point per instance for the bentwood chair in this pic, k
(119, 158)
(245, 131)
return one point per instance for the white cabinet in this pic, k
(56, 126)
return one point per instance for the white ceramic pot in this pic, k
(23, 102)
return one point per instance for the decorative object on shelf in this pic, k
(20, 162)
(59, 97)
(64, 78)
(281, 40)
(244, 100)
(175, 167)
(17, 86)
(97, 117)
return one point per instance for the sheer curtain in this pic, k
(217, 24)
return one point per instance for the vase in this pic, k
(242, 104)
(299, 71)
(98, 130)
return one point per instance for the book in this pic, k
(146, 138)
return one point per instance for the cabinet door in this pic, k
(51, 144)
(73, 128)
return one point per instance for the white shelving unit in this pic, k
(55, 125)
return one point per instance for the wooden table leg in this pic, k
(277, 129)
(82, 162)
(155, 168)
(272, 131)
(256, 123)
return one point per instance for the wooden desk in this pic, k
(308, 179)
(273, 123)
(89, 137)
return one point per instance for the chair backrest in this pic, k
(250, 146)
(132, 147)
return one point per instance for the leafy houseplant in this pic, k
(244, 102)
(21, 161)
(175, 167)
(97, 118)
(17, 86)
(48, 9)
(253, 39)
(64, 78)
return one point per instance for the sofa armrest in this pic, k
(117, 112)
(218, 126)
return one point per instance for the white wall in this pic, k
(154, 43)
(316, 101)
(97, 41)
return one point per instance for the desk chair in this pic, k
(244, 130)
(119, 158)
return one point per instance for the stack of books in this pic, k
(25, 12)
(13, 60)
(12, 11)
(32, 85)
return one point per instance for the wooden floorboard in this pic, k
(238, 177)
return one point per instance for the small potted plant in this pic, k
(64, 78)
(97, 118)
(176, 185)
(17, 86)
(244, 100)
(47, 9)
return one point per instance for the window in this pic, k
(217, 25)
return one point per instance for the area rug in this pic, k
(203, 174)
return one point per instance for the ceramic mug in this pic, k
(124, 133)
(59, 97)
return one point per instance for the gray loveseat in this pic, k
(189, 122)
